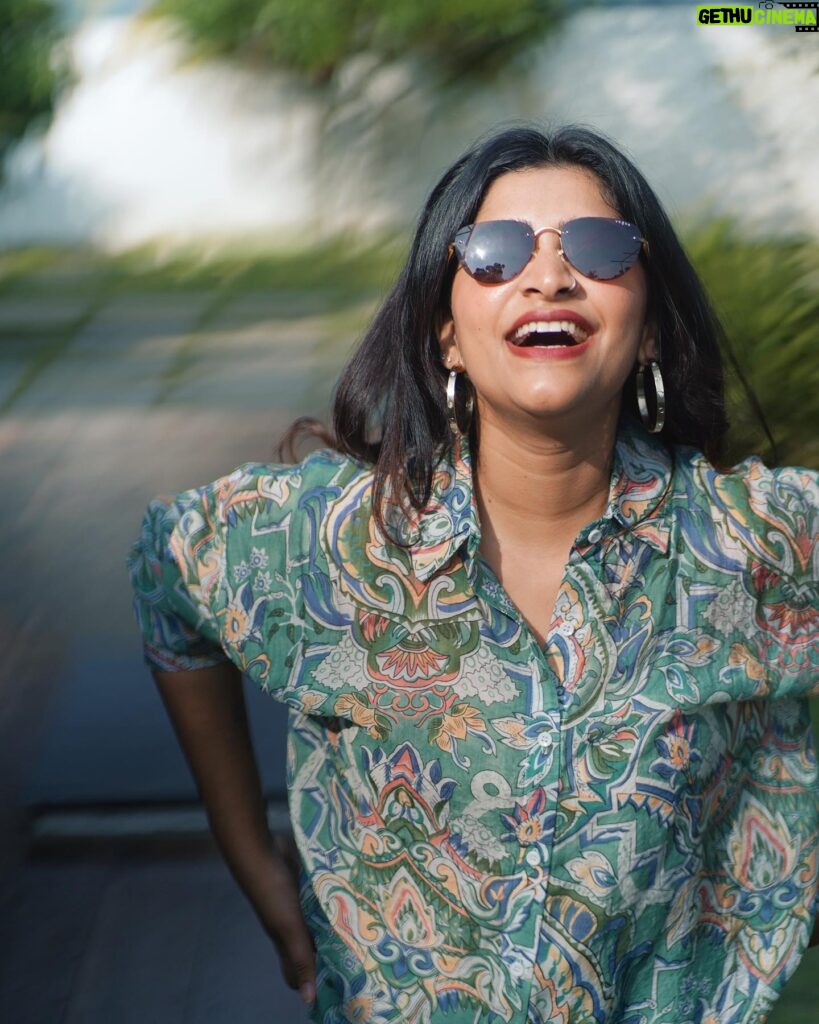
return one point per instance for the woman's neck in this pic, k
(532, 487)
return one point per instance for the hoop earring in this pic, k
(451, 411)
(659, 397)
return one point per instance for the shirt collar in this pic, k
(640, 485)
(640, 482)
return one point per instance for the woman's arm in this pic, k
(208, 712)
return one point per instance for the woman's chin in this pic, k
(553, 411)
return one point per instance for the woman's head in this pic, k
(398, 369)
(548, 345)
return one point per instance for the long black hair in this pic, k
(389, 407)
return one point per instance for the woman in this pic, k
(549, 757)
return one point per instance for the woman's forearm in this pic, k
(207, 708)
(208, 712)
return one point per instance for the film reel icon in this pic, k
(801, 7)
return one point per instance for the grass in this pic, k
(343, 269)
(335, 278)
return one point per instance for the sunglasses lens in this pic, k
(601, 248)
(498, 250)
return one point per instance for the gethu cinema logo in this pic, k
(803, 16)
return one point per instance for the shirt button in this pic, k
(532, 857)
(594, 535)
(545, 740)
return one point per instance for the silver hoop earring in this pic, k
(659, 398)
(451, 411)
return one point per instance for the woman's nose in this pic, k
(548, 271)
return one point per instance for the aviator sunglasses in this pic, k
(494, 251)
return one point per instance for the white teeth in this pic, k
(575, 332)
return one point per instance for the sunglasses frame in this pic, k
(459, 244)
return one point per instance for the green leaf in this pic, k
(462, 38)
(31, 71)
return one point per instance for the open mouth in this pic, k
(548, 334)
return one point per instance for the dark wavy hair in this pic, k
(389, 408)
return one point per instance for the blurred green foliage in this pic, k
(31, 72)
(314, 37)
(767, 294)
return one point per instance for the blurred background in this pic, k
(201, 204)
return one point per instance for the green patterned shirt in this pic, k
(619, 826)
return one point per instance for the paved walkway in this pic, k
(111, 395)
(110, 398)
(136, 938)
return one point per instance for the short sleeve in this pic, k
(176, 567)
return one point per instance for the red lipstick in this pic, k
(534, 344)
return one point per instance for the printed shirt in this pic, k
(618, 826)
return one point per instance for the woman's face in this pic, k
(581, 382)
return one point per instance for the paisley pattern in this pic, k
(620, 826)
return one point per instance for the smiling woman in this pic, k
(495, 333)
(549, 753)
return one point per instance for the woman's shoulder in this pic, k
(273, 484)
(750, 480)
(252, 496)
(771, 512)
(321, 464)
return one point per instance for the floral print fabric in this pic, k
(619, 826)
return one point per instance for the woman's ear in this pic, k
(649, 349)
(450, 355)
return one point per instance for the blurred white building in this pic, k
(151, 147)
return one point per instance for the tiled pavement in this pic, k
(111, 403)
(157, 936)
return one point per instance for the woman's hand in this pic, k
(207, 708)
(284, 923)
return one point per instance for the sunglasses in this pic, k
(493, 251)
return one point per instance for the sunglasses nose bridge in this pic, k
(564, 261)
(544, 231)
